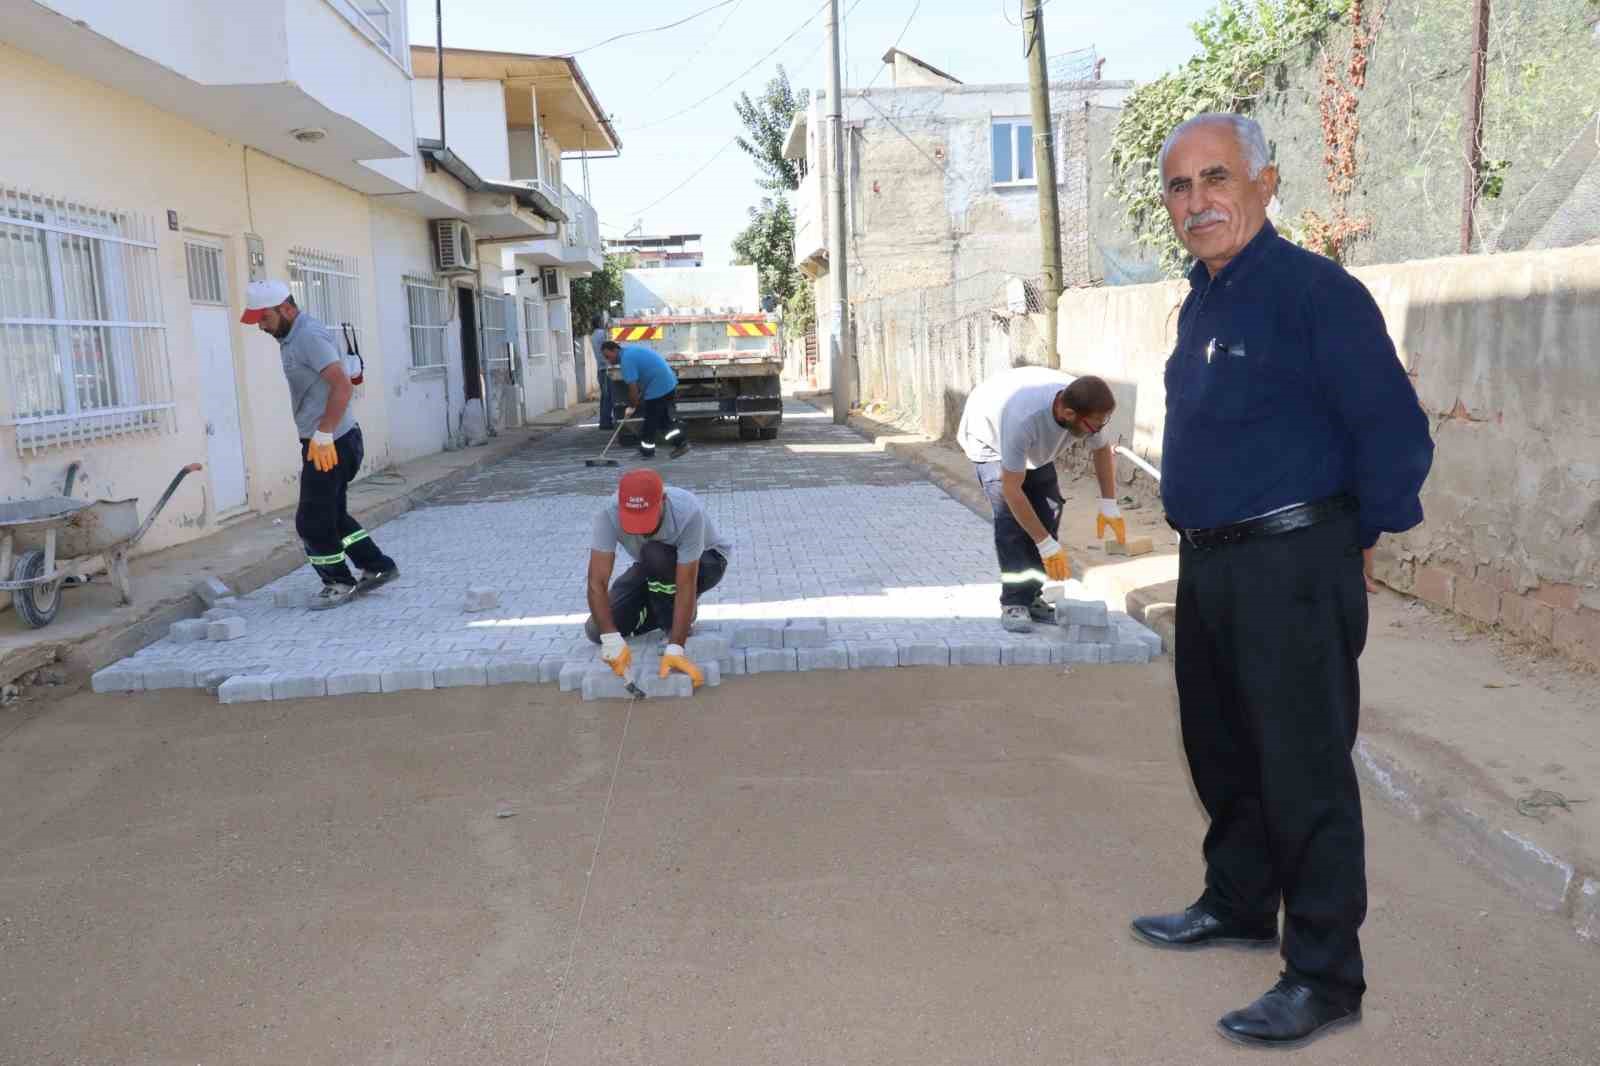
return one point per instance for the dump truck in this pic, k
(728, 364)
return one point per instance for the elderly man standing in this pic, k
(1293, 439)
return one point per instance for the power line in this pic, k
(914, 9)
(654, 29)
(734, 81)
(703, 46)
(703, 167)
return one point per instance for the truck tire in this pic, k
(748, 430)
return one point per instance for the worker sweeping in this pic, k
(652, 393)
(678, 557)
(330, 446)
(1013, 427)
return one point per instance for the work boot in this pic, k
(680, 448)
(333, 596)
(375, 579)
(1040, 611)
(647, 453)
(1016, 620)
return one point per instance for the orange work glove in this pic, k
(1054, 557)
(614, 650)
(673, 658)
(321, 453)
(1110, 517)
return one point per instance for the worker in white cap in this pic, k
(330, 443)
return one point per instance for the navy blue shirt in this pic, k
(1285, 388)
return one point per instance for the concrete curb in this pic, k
(1551, 883)
(83, 656)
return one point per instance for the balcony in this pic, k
(576, 245)
(333, 71)
(811, 224)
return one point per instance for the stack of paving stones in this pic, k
(822, 576)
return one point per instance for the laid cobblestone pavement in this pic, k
(843, 558)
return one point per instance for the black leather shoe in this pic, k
(1196, 928)
(1291, 1015)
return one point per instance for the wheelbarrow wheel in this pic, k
(36, 606)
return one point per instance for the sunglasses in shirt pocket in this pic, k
(1241, 384)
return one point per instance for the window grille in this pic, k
(205, 274)
(425, 306)
(535, 329)
(328, 286)
(492, 323)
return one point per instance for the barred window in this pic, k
(328, 286)
(535, 331)
(492, 322)
(425, 308)
(82, 338)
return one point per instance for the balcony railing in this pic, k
(582, 230)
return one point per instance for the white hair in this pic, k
(1252, 142)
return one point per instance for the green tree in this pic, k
(768, 243)
(767, 118)
(600, 292)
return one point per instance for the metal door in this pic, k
(212, 332)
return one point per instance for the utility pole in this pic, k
(1044, 170)
(841, 364)
(1474, 145)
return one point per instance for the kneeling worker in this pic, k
(677, 555)
(1012, 428)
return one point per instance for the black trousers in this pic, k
(661, 425)
(1021, 570)
(608, 413)
(323, 519)
(642, 598)
(1269, 696)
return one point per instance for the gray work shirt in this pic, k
(1008, 419)
(684, 525)
(307, 351)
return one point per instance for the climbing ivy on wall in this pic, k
(1243, 45)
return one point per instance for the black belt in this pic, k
(1287, 520)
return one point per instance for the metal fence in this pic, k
(83, 339)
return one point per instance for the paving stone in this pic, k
(572, 673)
(1126, 653)
(291, 598)
(873, 654)
(734, 664)
(924, 653)
(225, 629)
(481, 599)
(117, 678)
(187, 631)
(521, 670)
(604, 685)
(974, 653)
(227, 607)
(706, 646)
(673, 686)
(758, 635)
(805, 635)
(827, 657)
(713, 672)
(165, 677)
(407, 678)
(550, 669)
(465, 674)
(770, 660)
(1091, 634)
(211, 590)
(1033, 653)
(349, 682)
(299, 686)
(246, 688)
(1081, 613)
(1144, 635)
(1069, 653)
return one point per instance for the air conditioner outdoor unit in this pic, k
(453, 250)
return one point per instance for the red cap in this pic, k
(639, 502)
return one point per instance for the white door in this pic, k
(539, 387)
(219, 394)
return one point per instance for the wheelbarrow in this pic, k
(44, 545)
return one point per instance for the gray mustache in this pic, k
(1208, 215)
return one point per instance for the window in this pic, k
(329, 287)
(535, 329)
(82, 340)
(425, 308)
(492, 322)
(380, 21)
(1011, 150)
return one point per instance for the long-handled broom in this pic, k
(602, 460)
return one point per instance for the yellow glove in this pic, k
(614, 650)
(1110, 517)
(673, 658)
(321, 453)
(1055, 559)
